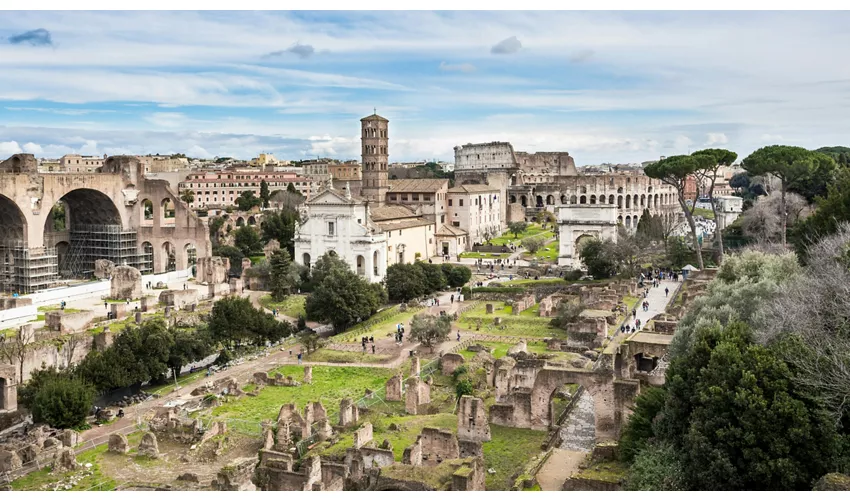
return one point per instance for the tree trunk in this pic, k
(784, 212)
(718, 236)
(690, 217)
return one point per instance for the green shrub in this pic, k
(464, 387)
(63, 403)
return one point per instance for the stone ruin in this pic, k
(118, 444)
(213, 269)
(417, 393)
(42, 445)
(262, 378)
(394, 388)
(308, 374)
(236, 476)
(450, 362)
(432, 447)
(224, 385)
(126, 283)
(103, 268)
(349, 414)
(174, 424)
(522, 303)
(179, 299)
(271, 247)
(472, 426)
(68, 322)
(148, 446)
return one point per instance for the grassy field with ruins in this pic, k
(292, 306)
(521, 325)
(330, 385)
(380, 325)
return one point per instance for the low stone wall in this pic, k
(180, 299)
(522, 304)
(65, 322)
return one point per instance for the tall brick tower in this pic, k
(374, 138)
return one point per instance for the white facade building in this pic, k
(339, 222)
(476, 209)
(579, 222)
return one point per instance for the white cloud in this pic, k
(462, 67)
(198, 152)
(32, 148)
(9, 148)
(510, 45)
(716, 138)
(681, 144)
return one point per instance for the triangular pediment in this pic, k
(330, 197)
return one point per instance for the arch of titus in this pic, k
(114, 214)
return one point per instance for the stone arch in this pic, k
(628, 201)
(611, 199)
(620, 201)
(628, 221)
(620, 189)
(147, 251)
(643, 200)
(593, 199)
(168, 208)
(523, 201)
(240, 222)
(62, 248)
(169, 257)
(513, 198)
(375, 267)
(563, 199)
(582, 200)
(146, 208)
(599, 386)
(581, 241)
(305, 259)
(12, 220)
(620, 220)
(583, 190)
(550, 200)
(649, 189)
(89, 207)
(539, 200)
(361, 265)
(191, 254)
(635, 201)
(252, 221)
(655, 201)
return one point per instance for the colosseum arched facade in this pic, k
(545, 180)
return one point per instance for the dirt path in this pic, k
(561, 465)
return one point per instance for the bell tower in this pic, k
(374, 140)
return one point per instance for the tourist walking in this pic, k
(666, 291)
(299, 357)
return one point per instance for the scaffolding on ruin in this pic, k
(26, 270)
(91, 242)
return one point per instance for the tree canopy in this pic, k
(340, 296)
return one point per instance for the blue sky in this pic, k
(605, 86)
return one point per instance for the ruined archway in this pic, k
(600, 387)
(611, 199)
(523, 201)
(147, 261)
(513, 199)
(582, 200)
(240, 222)
(167, 207)
(550, 200)
(12, 221)
(93, 229)
(147, 212)
(169, 256)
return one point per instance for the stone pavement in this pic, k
(578, 433)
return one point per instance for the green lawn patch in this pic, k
(256, 259)
(508, 452)
(705, 212)
(292, 306)
(516, 326)
(182, 380)
(331, 356)
(93, 479)
(484, 255)
(548, 253)
(534, 282)
(381, 324)
(532, 230)
(330, 385)
(608, 471)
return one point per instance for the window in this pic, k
(330, 228)
(392, 197)
(442, 219)
(404, 197)
(456, 223)
(450, 202)
(460, 203)
(427, 197)
(414, 197)
(399, 232)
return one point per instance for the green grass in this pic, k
(182, 380)
(516, 326)
(548, 253)
(330, 385)
(532, 230)
(35, 481)
(331, 356)
(380, 325)
(705, 212)
(540, 282)
(508, 452)
(500, 350)
(609, 472)
(44, 309)
(256, 259)
(292, 306)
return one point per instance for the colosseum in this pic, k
(545, 180)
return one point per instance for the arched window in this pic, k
(513, 199)
(306, 259)
(573, 200)
(628, 201)
(628, 221)
(593, 199)
(550, 200)
(611, 199)
(563, 199)
(620, 202)
(582, 200)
